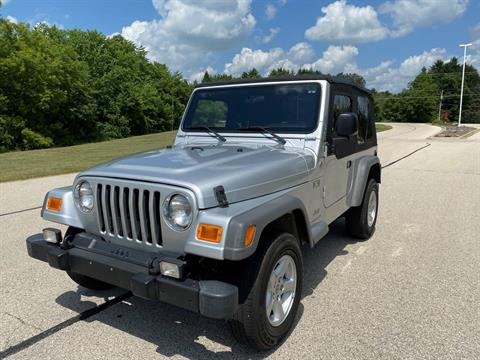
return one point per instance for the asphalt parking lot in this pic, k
(410, 292)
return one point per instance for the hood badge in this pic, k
(220, 195)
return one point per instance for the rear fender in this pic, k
(360, 179)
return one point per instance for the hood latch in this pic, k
(220, 195)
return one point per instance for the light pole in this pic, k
(465, 46)
(440, 106)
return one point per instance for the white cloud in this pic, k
(409, 14)
(474, 58)
(198, 76)
(268, 38)
(335, 59)
(347, 24)
(266, 61)
(301, 53)
(258, 59)
(270, 11)
(476, 37)
(285, 64)
(46, 22)
(12, 19)
(394, 79)
(4, 2)
(413, 64)
(190, 31)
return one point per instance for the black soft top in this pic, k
(330, 79)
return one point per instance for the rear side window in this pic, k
(365, 119)
(341, 104)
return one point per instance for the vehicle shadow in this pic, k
(179, 332)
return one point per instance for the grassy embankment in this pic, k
(382, 127)
(19, 165)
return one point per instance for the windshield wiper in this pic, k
(210, 131)
(280, 139)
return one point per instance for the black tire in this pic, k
(88, 282)
(356, 219)
(82, 280)
(250, 325)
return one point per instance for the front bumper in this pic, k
(135, 271)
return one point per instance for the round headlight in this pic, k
(84, 196)
(177, 211)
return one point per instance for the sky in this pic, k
(386, 41)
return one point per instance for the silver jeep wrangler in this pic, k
(215, 223)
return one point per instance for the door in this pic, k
(337, 172)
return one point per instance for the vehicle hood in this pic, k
(244, 171)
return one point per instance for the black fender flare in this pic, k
(261, 216)
(360, 178)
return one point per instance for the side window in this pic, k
(212, 113)
(365, 119)
(371, 120)
(362, 118)
(341, 104)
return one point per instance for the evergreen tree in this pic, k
(252, 74)
(281, 72)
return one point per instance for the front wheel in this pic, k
(361, 220)
(88, 282)
(268, 312)
(82, 280)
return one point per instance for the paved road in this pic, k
(412, 291)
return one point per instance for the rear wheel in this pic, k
(268, 312)
(361, 220)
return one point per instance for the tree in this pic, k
(308, 72)
(448, 77)
(281, 72)
(252, 74)
(222, 77)
(417, 103)
(63, 87)
(206, 77)
(42, 83)
(355, 78)
(379, 101)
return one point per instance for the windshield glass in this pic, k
(285, 108)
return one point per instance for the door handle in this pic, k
(349, 164)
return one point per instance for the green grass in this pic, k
(20, 165)
(382, 127)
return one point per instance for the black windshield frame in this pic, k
(238, 99)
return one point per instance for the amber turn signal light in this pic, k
(249, 235)
(54, 204)
(211, 233)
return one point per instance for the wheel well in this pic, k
(293, 223)
(375, 173)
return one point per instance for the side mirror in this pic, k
(347, 124)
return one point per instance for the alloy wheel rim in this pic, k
(281, 290)
(372, 209)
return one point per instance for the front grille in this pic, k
(129, 213)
